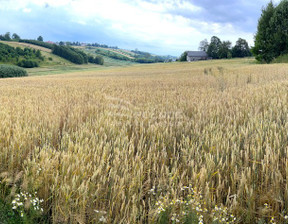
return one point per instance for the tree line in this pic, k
(218, 49)
(38, 43)
(271, 39)
(27, 57)
(76, 56)
(71, 54)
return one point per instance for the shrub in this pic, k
(71, 54)
(7, 71)
(97, 60)
(38, 43)
(28, 64)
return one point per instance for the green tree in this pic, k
(40, 38)
(214, 47)
(264, 38)
(183, 56)
(203, 46)
(241, 49)
(279, 28)
(7, 36)
(15, 36)
(225, 49)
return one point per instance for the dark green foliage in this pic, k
(26, 57)
(74, 55)
(214, 48)
(28, 64)
(263, 49)
(218, 49)
(241, 49)
(7, 71)
(271, 39)
(7, 216)
(99, 60)
(40, 38)
(68, 53)
(96, 60)
(183, 56)
(39, 43)
(279, 23)
(225, 49)
(16, 37)
(7, 36)
(84, 55)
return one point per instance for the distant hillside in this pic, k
(11, 53)
(23, 57)
(126, 55)
(49, 59)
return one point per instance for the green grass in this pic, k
(61, 69)
(107, 60)
(7, 216)
(281, 59)
(46, 53)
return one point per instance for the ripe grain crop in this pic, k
(166, 143)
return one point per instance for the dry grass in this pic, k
(94, 144)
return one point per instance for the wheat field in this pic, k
(202, 142)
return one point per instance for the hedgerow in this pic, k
(7, 71)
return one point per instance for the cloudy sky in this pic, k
(158, 26)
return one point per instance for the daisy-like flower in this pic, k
(102, 219)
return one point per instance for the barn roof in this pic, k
(197, 54)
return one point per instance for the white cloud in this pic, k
(141, 21)
(27, 10)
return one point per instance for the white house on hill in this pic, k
(197, 56)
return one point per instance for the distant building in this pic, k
(197, 56)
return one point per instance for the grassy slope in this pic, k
(59, 65)
(109, 61)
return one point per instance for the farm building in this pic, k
(197, 56)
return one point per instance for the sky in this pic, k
(164, 27)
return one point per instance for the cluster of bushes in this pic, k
(38, 43)
(76, 56)
(96, 60)
(26, 57)
(7, 71)
(70, 54)
(28, 64)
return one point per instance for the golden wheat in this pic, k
(110, 146)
